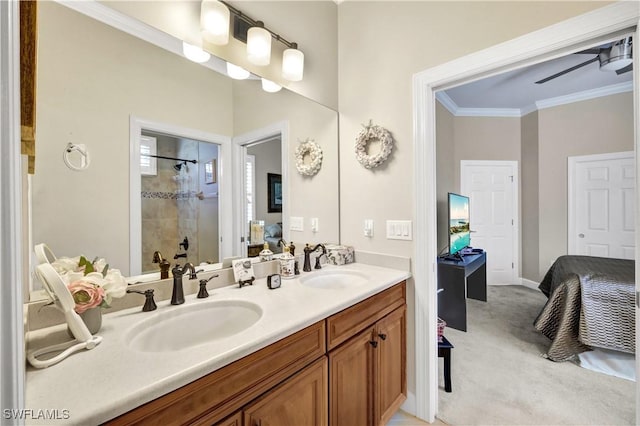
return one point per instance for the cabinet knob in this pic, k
(382, 336)
(374, 343)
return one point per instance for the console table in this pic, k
(460, 279)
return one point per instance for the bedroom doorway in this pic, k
(602, 204)
(552, 41)
(493, 190)
(262, 174)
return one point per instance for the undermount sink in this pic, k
(334, 279)
(192, 324)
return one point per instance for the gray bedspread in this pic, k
(591, 303)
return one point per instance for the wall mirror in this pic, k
(106, 89)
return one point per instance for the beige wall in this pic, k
(485, 138)
(311, 24)
(529, 196)
(309, 196)
(381, 46)
(590, 127)
(91, 79)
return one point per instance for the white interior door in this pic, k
(602, 205)
(493, 204)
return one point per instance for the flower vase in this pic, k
(92, 318)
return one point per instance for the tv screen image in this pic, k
(459, 232)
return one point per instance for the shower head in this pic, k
(177, 167)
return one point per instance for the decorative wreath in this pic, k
(370, 133)
(315, 154)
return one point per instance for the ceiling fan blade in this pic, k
(573, 68)
(592, 51)
(625, 69)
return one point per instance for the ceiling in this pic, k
(517, 89)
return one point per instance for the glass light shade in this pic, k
(616, 64)
(236, 72)
(214, 22)
(270, 86)
(292, 64)
(259, 46)
(194, 53)
(617, 56)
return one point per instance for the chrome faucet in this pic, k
(307, 259)
(177, 296)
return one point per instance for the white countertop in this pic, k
(96, 385)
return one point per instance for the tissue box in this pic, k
(339, 255)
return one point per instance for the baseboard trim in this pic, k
(530, 284)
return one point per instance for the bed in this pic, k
(272, 235)
(590, 304)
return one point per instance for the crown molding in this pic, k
(585, 95)
(446, 101)
(599, 92)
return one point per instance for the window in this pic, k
(148, 147)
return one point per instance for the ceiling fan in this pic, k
(616, 57)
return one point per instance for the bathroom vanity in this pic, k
(328, 347)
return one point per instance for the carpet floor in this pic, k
(500, 378)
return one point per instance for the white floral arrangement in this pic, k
(368, 134)
(90, 283)
(308, 147)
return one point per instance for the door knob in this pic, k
(382, 336)
(580, 235)
(374, 343)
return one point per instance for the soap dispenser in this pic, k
(287, 264)
(266, 254)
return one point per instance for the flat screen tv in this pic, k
(459, 232)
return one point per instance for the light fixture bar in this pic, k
(254, 23)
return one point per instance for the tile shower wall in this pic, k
(160, 207)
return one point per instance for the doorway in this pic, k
(602, 205)
(261, 163)
(192, 184)
(492, 187)
(568, 36)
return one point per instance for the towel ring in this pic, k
(85, 159)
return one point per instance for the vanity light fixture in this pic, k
(270, 86)
(194, 53)
(236, 72)
(214, 21)
(292, 63)
(258, 39)
(259, 45)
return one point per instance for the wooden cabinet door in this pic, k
(351, 370)
(391, 365)
(302, 400)
(233, 420)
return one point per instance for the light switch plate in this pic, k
(314, 224)
(296, 223)
(399, 230)
(368, 228)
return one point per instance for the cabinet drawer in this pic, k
(349, 322)
(219, 394)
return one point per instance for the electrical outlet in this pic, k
(314, 224)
